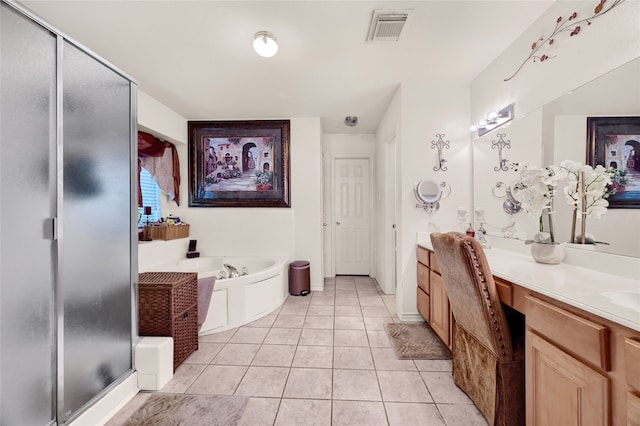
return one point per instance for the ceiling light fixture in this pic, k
(493, 120)
(351, 120)
(264, 43)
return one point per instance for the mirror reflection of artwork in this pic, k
(614, 142)
(239, 163)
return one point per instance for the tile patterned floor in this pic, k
(323, 359)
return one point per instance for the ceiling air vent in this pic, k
(387, 25)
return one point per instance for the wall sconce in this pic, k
(265, 44)
(493, 120)
(440, 144)
(501, 144)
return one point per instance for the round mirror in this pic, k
(428, 191)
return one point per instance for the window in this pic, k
(150, 197)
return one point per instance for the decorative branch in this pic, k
(570, 25)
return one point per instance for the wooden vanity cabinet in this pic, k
(432, 300)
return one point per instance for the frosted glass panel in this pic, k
(27, 90)
(96, 238)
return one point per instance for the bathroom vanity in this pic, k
(582, 335)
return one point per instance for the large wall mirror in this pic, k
(548, 135)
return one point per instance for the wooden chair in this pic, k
(488, 360)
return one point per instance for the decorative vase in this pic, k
(549, 253)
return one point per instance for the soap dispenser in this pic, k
(470, 232)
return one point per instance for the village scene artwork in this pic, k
(622, 157)
(238, 164)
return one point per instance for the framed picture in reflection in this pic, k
(614, 142)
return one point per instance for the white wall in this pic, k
(295, 232)
(428, 108)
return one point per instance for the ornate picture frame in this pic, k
(239, 163)
(614, 142)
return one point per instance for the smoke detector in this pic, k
(351, 120)
(387, 25)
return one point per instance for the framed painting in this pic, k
(614, 142)
(239, 163)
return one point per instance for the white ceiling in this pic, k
(196, 56)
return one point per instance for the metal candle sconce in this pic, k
(440, 144)
(501, 144)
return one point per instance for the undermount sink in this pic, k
(626, 298)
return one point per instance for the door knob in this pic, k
(337, 223)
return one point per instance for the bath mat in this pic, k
(415, 341)
(177, 409)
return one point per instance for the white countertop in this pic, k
(609, 296)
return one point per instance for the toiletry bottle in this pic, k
(470, 231)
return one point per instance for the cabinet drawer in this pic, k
(633, 409)
(423, 304)
(433, 262)
(575, 334)
(632, 362)
(423, 256)
(423, 277)
(505, 291)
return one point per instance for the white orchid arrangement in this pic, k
(535, 189)
(585, 187)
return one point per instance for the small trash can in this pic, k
(299, 278)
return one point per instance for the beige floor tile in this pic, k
(350, 338)
(260, 412)
(352, 358)
(220, 337)
(320, 310)
(289, 321)
(313, 383)
(434, 364)
(345, 280)
(274, 356)
(236, 354)
(347, 301)
(283, 336)
(205, 353)
(443, 389)
(313, 357)
(249, 335)
(346, 292)
(404, 414)
(356, 385)
(376, 323)
(328, 300)
(348, 311)
(304, 412)
(294, 309)
(316, 337)
(403, 386)
(371, 300)
(324, 322)
(263, 381)
(358, 413)
(461, 415)
(349, 323)
(218, 380)
(385, 359)
(297, 300)
(375, 311)
(184, 376)
(122, 417)
(378, 339)
(264, 322)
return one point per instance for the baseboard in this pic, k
(411, 317)
(103, 410)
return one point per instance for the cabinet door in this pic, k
(560, 389)
(440, 312)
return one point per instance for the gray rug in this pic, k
(415, 341)
(184, 410)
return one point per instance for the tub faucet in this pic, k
(233, 271)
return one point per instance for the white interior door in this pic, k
(352, 216)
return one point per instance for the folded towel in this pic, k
(205, 290)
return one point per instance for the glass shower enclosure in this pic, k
(67, 223)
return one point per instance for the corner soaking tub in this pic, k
(240, 300)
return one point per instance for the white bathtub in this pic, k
(238, 301)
